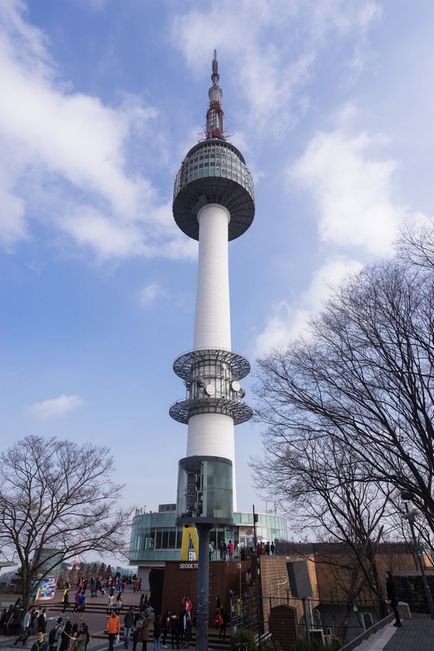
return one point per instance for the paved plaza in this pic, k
(416, 634)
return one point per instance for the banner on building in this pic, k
(189, 544)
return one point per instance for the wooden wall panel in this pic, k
(224, 576)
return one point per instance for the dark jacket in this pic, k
(390, 589)
(40, 646)
(157, 628)
(129, 619)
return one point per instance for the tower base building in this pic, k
(156, 539)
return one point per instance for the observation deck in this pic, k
(213, 171)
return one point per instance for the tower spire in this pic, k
(214, 115)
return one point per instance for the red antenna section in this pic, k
(215, 115)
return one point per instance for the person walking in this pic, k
(157, 631)
(42, 621)
(187, 626)
(137, 630)
(128, 623)
(113, 629)
(218, 621)
(76, 601)
(119, 603)
(81, 604)
(174, 630)
(25, 628)
(144, 634)
(110, 602)
(54, 635)
(73, 637)
(166, 627)
(391, 595)
(64, 636)
(82, 638)
(224, 622)
(65, 599)
(181, 627)
(41, 643)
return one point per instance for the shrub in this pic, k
(243, 641)
(308, 645)
(315, 645)
(270, 645)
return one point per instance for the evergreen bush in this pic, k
(243, 640)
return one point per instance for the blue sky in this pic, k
(331, 103)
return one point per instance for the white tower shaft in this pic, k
(212, 434)
(213, 321)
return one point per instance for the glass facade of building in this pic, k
(214, 158)
(155, 536)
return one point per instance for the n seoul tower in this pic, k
(213, 202)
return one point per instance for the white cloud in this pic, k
(12, 210)
(150, 293)
(352, 191)
(106, 236)
(358, 219)
(289, 320)
(273, 46)
(56, 406)
(71, 145)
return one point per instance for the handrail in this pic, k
(369, 631)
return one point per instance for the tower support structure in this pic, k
(213, 202)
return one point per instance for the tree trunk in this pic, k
(26, 588)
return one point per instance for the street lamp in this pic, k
(257, 579)
(410, 516)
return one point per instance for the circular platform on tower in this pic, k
(239, 365)
(214, 171)
(182, 410)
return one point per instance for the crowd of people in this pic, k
(227, 552)
(63, 636)
(12, 621)
(147, 626)
(140, 625)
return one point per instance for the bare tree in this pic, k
(325, 490)
(365, 379)
(57, 501)
(417, 246)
